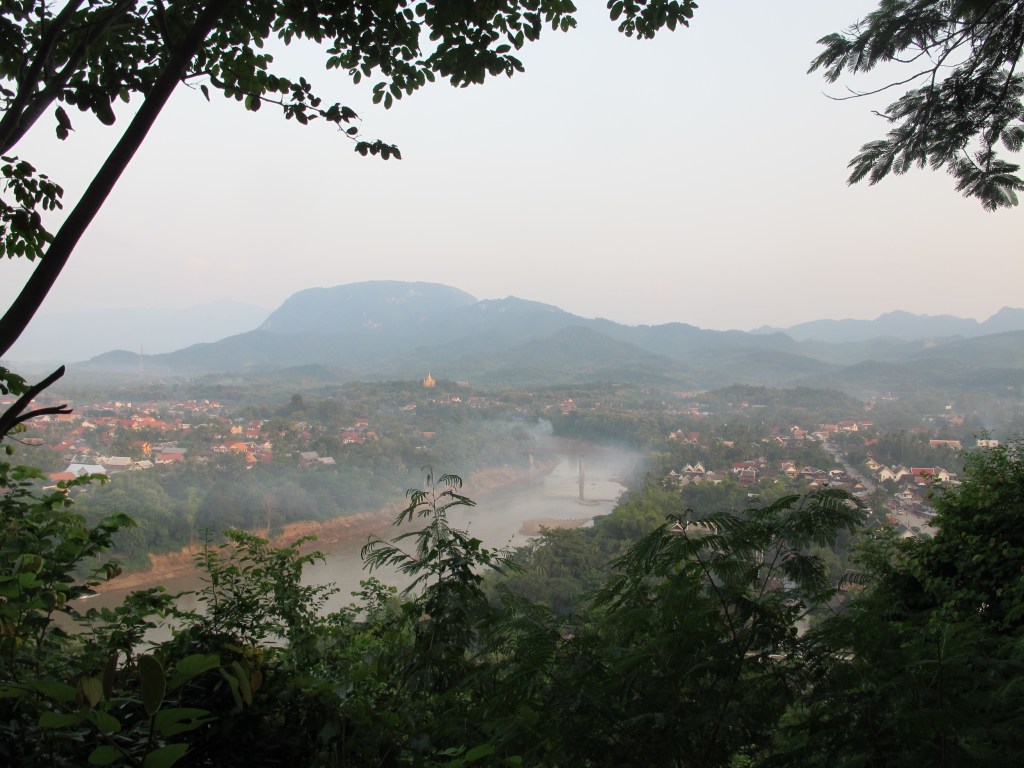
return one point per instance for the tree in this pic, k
(445, 567)
(962, 57)
(924, 668)
(689, 652)
(90, 53)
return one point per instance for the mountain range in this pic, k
(902, 325)
(400, 330)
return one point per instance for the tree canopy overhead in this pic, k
(964, 106)
(88, 54)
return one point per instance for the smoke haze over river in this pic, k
(499, 516)
(496, 520)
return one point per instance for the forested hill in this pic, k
(387, 329)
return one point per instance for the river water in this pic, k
(497, 521)
(498, 518)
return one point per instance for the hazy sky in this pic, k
(697, 178)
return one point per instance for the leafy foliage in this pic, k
(924, 668)
(43, 544)
(445, 567)
(701, 627)
(967, 105)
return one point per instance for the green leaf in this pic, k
(192, 666)
(165, 756)
(104, 755)
(55, 690)
(243, 682)
(233, 684)
(59, 720)
(92, 690)
(104, 113)
(479, 751)
(109, 672)
(154, 683)
(171, 722)
(102, 720)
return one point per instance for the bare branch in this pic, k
(16, 414)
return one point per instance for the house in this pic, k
(883, 473)
(899, 472)
(690, 528)
(930, 474)
(308, 458)
(115, 463)
(746, 477)
(78, 469)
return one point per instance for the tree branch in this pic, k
(11, 124)
(15, 415)
(50, 265)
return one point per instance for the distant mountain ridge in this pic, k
(401, 330)
(386, 305)
(902, 325)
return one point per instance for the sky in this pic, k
(696, 178)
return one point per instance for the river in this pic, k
(499, 517)
(497, 520)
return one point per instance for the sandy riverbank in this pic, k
(177, 571)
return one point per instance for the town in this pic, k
(260, 463)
